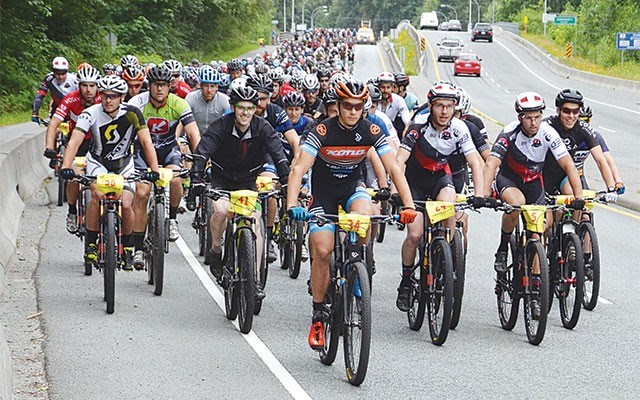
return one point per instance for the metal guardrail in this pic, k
(415, 36)
(389, 48)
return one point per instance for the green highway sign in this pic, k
(565, 20)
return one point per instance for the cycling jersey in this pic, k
(522, 156)
(163, 121)
(182, 90)
(277, 117)
(411, 100)
(379, 118)
(457, 161)
(340, 151)
(477, 122)
(207, 112)
(313, 109)
(71, 107)
(582, 152)
(112, 136)
(58, 90)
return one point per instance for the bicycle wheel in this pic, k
(246, 267)
(207, 211)
(263, 272)
(459, 261)
(417, 297)
(159, 238)
(333, 326)
(440, 291)
(229, 281)
(591, 258)
(506, 290)
(61, 190)
(571, 281)
(200, 225)
(110, 260)
(83, 202)
(384, 210)
(298, 241)
(357, 324)
(535, 325)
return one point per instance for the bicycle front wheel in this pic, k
(205, 223)
(357, 324)
(83, 202)
(440, 291)
(246, 269)
(571, 286)
(333, 326)
(110, 260)
(459, 267)
(296, 246)
(591, 258)
(384, 210)
(535, 315)
(417, 297)
(507, 298)
(159, 239)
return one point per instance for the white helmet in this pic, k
(238, 82)
(88, 75)
(529, 101)
(386, 77)
(113, 83)
(60, 64)
(464, 103)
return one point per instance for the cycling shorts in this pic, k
(325, 199)
(124, 167)
(169, 155)
(429, 184)
(461, 180)
(533, 190)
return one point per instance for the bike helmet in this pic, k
(402, 79)
(338, 77)
(353, 89)
(569, 96)
(386, 77)
(208, 74)
(442, 91)
(323, 73)
(238, 82)
(234, 65)
(173, 66)
(276, 75)
(310, 82)
(261, 68)
(88, 75)
(374, 92)
(293, 99)
(464, 103)
(242, 93)
(329, 96)
(195, 62)
(296, 82)
(261, 83)
(134, 73)
(113, 83)
(129, 61)
(159, 73)
(84, 65)
(191, 77)
(60, 64)
(529, 101)
(585, 112)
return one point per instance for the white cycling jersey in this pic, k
(396, 106)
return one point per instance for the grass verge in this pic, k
(410, 57)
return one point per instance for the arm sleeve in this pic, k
(411, 138)
(500, 146)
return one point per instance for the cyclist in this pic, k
(310, 89)
(69, 109)
(329, 104)
(134, 76)
(177, 85)
(163, 111)
(113, 126)
(402, 82)
(336, 149)
(207, 103)
(323, 74)
(392, 104)
(294, 106)
(519, 151)
(381, 119)
(426, 150)
(236, 144)
(60, 81)
(464, 108)
(574, 133)
(235, 69)
(277, 78)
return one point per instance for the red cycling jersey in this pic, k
(183, 89)
(70, 107)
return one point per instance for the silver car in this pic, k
(449, 49)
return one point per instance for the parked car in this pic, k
(455, 25)
(482, 31)
(467, 63)
(449, 48)
(444, 26)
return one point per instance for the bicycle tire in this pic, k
(571, 294)
(506, 289)
(357, 326)
(294, 267)
(592, 265)
(459, 271)
(83, 202)
(229, 281)
(333, 326)
(200, 224)
(417, 298)
(284, 241)
(535, 328)
(61, 190)
(440, 292)
(110, 260)
(206, 224)
(384, 210)
(247, 282)
(158, 246)
(262, 275)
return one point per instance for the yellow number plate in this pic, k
(534, 217)
(80, 162)
(243, 202)
(564, 199)
(461, 198)
(110, 183)
(64, 128)
(264, 184)
(166, 175)
(439, 210)
(351, 222)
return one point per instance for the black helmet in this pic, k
(323, 73)
(402, 79)
(585, 112)
(293, 99)
(234, 65)
(569, 96)
(261, 83)
(159, 73)
(329, 96)
(243, 93)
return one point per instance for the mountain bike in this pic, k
(290, 236)
(84, 197)
(566, 265)
(526, 255)
(62, 138)
(265, 186)
(348, 296)
(591, 249)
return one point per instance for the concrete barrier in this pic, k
(22, 170)
(389, 48)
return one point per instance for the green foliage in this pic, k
(410, 56)
(33, 32)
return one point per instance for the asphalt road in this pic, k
(180, 345)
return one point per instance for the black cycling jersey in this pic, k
(457, 161)
(477, 122)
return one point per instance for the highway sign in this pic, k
(628, 41)
(565, 20)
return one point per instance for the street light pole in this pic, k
(478, 4)
(303, 4)
(313, 14)
(284, 15)
(493, 12)
(293, 20)
(544, 22)
(448, 6)
(470, 24)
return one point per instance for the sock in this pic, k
(138, 240)
(406, 273)
(173, 211)
(127, 240)
(92, 237)
(318, 306)
(73, 209)
(505, 237)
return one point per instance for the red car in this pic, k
(467, 63)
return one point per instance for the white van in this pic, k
(429, 20)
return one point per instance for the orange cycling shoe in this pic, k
(316, 336)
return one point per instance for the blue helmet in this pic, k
(208, 74)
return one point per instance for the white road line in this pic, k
(506, 90)
(606, 129)
(288, 381)
(558, 88)
(497, 84)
